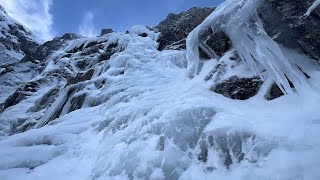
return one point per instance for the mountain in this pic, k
(229, 92)
(16, 42)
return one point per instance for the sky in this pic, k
(51, 18)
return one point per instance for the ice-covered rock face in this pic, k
(115, 107)
(106, 31)
(288, 23)
(66, 63)
(280, 25)
(49, 47)
(15, 40)
(17, 74)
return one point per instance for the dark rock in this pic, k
(273, 93)
(20, 94)
(46, 100)
(13, 99)
(26, 44)
(90, 51)
(238, 88)
(49, 47)
(15, 36)
(106, 31)
(58, 109)
(218, 41)
(143, 35)
(81, 77)
(76, 102)
(176, 27)
(283, 19)
(112, 48)
(100, 83)
(220, 69)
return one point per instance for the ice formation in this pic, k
(240, 21)
(312, 7)
(142, 118)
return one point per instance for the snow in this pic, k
(2, 70)
(250, 41)
(139, 29)
(151, 121)
(10, 56)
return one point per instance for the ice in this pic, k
(139, 29)
(312, 7)
(255, 47)
(142, 117)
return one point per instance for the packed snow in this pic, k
(150, 120)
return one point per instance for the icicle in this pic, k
(225, 10)
(245, 29)
(312, 7)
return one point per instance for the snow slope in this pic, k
(143, 117)
(312, 7)
(15, 43)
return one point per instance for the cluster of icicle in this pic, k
(240, 21)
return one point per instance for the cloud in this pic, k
(87, 27)
(34, 14)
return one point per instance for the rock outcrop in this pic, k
(46, 49)
(238, 88)
(106, 31)
(15, 40)
(176, 27)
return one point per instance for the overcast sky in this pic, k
(50, 18)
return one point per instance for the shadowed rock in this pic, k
(284, 20)
(81, 77)
(46, 49)
(273, 93)
(176, 27)
(106, 31)
(238, 88)
(218, 41)
(46, 100)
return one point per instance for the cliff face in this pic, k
(176, 27)
(15, 40)
(287, 22)
(203, 95)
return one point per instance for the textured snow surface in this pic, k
(157, 123)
